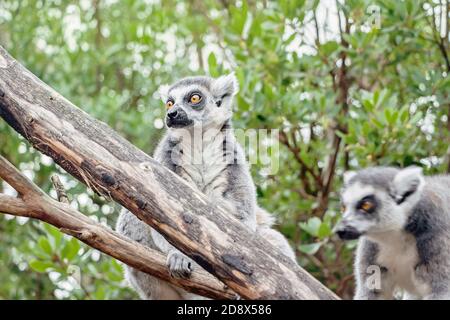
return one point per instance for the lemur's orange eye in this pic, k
(169, 104)
(195, 98)
(367, 206)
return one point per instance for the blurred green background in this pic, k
(349, 84)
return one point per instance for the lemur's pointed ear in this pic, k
(225, 86)
(348, 175)
(163, 92)
(407, 182)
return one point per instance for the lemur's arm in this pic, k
(240, 194)
(163, 154)
(179, 264)
(435, 267)
(239, 201)
(373, 282)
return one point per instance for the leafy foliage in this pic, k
(345, 89)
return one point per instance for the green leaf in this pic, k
(368, 105)
(113, 276)
(312, 226)
(378, 123)
(324, 231)
(388, 116)
(45, 245)
(329, 47)
(71, 249)
(40, 266)
(56, 235)
(212, 65)
(311, 248)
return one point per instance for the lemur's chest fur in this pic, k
(203, 159)
(398, 253)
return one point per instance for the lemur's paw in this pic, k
(180, 266)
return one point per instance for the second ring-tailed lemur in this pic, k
(200, 147)
(402, 220)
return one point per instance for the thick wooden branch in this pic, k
(14, 206)
(34, 203)
(96, 155)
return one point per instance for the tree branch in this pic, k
(96, 155)
(296, 153)
(14, 206)
(59, 188)
(440, 41)
(36, 204)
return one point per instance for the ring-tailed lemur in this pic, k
(200, 147)
(402, 220)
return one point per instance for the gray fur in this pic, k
(407, 236)
(200, 147)
(201, 81)
(380, 177)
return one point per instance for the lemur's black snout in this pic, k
(177, 118)
(348, 233)
(172, 114)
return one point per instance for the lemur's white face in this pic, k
(368, 210)
(199, 101)
(378, 200)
